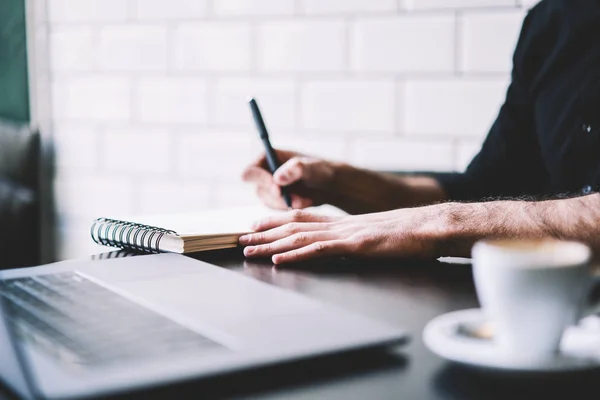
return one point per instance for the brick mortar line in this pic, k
(171, 41)
(399, 109)
(211, 95)
(325, 134)
(131, 10)
(306, 76)
(290, 17)
(349, 23)
(209, 8)
(298, 109)
(458, 44)
(254, 48)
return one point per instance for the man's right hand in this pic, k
(309, 180)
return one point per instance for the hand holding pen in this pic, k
(306, 181)
(270, 154)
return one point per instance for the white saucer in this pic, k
(579, 349)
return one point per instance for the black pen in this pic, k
(270, 154)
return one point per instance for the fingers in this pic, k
(256, 174)
(290, 172)
(281, 232)
(269, 192)
(292, 216)
(271, 196)
(314, 250)
(287, 244)
(260, 164)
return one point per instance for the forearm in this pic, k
(359, 191)
(571, 219)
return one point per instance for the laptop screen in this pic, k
(13, 368)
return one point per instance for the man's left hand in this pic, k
(299, 235)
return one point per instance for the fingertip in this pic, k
(281, 177)
(256, 174)
(244, 174)
(288, 173)
(250, 173)
(276, 259)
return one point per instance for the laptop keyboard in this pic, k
(80, 322)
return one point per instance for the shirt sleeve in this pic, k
(509, 163)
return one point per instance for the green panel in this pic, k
(14, 91)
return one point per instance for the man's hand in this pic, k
(448, 229)
(312, 181)
(299, 235)
(309, 179)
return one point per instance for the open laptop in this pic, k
(89, 328)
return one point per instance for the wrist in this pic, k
(338, 190)
(466, 223)
(460, 226)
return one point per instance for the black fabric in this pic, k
(546, 138)
(19, 150)
(19, 196)
(18, 225)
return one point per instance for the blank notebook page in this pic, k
(217, 221)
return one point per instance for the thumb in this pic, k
(290, 172)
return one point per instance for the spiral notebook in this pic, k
(184, 233)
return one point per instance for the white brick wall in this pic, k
(83, 11)
(349, 105)
(215, 156)
(94, 98)
(456, 4)
(318, 45)
(212, 46)
(76, 147)
(158, 196)
(479, 29)
(132, 48)
(528, 3)
(72, 49)
(403, 154)
(346, 6)
(275, 97)
(130, 149)
(453, 107)
(254, 7)
(84, 196)
(166, 100)
(423, 43)
(161, 10)
(149, 96)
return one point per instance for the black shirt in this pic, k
(546, 138)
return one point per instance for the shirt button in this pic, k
(586, 128)
(586, 189)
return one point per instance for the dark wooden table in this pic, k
(406, 293)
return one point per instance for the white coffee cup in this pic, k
(530, 292)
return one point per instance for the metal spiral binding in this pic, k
(128, 235)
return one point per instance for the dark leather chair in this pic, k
(19, 195)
